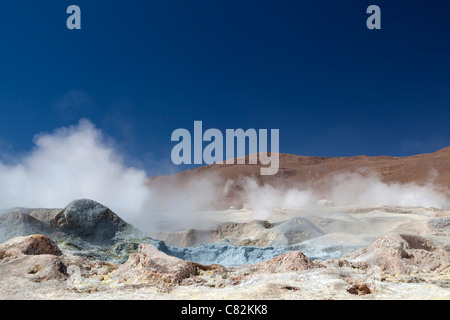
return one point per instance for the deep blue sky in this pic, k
(140, 69)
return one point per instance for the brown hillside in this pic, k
(315, 171)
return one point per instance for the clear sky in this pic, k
(141, 69)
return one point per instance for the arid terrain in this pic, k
(244, 247)
(338, 253)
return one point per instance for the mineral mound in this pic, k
(402, 254)
(86, 250)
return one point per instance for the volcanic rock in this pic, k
(34, 268)
(189, 238)
(360, 289)
(16, 223)
(441, 224)
(287, 262)
(81, 222)
(401, 254)
(29, 245)
(90, 221)
(257, 233)
(91, 230)
(150, 264)
(33, 257)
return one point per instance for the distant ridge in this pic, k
(316, 171)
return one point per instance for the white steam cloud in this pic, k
(72, 163)
(264, 198)
(356, 189)
(78, 162)
(346, 189)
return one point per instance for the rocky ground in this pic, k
(86, 251)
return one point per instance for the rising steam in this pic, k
(78, 162)
(345, 189)
(72, 163)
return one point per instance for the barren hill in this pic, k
(317, 171)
